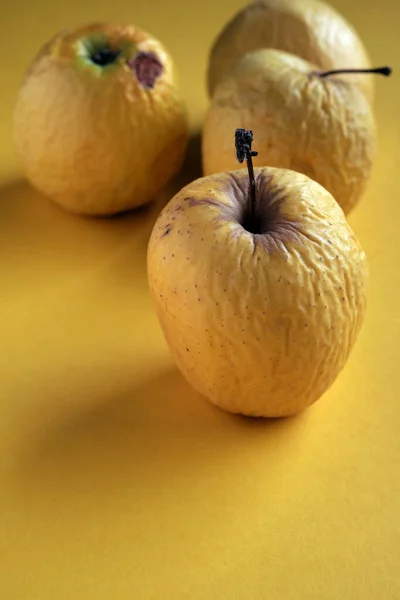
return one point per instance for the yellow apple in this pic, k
(320, 126)
(99, 123)
(260, 295)
(310, 29)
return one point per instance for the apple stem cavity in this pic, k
(105, 57)
(386, 71)
(243, 141)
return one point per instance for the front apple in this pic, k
(260, 314)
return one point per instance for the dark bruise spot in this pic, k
(168, 228)
(273, 228)
(202, 202)
(147, 68)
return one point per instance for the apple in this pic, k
(98, 121)
(309, 29)
(260, 287)
(317, 123)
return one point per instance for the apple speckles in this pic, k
(167, 230)
(147, 68)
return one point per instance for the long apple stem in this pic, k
(243, 141)
(386, 71)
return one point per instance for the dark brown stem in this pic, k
(386, 71)
(250, 169)
(243, 141)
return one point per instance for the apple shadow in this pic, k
(160, 432)
(18, 195)
(144, 436)
(38, 237)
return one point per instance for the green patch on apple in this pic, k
(96, 53)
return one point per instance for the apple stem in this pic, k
(386, 71)
(243, 141)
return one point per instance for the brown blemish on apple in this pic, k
(147, 68)
(168, 228)
(204, 201)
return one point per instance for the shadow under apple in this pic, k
(18, 196)
(45, 243)
(160, 434)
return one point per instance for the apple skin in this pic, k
(322, 127)
(310, 29)
(96, 139)
(260, 324)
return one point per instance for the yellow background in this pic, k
(116, 480)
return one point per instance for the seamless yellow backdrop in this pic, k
(117, 481)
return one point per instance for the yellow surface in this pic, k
(118, 481)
